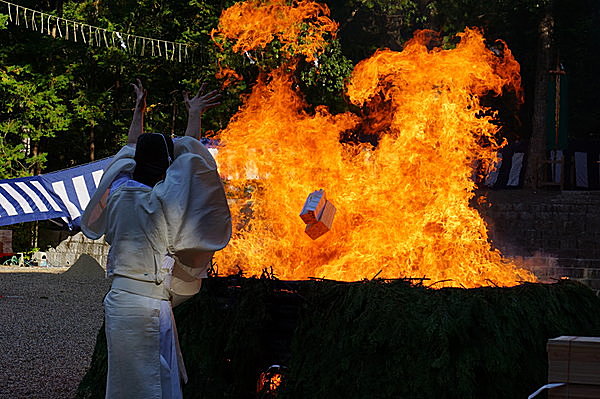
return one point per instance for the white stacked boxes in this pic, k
(574, 361)
(318, 214)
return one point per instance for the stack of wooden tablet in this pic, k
(318, 214)
(574, 361)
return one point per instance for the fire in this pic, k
(270, 381)
(300, 28)
(402, 206)
(227, 76)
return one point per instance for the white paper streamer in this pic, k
(95, 36)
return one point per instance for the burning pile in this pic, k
(402, 206)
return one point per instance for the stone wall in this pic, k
(71, 248)
(554, 234)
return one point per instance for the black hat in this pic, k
(153, 155)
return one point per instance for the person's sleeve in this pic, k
(93, 221)
(185, 282)
(194, 204)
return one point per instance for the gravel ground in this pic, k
(49, 318)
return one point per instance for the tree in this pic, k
(31, 109)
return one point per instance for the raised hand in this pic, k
(196, 107)
(202, 101)
(137, 123)
(140, 95)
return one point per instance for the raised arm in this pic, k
(137, 123)
(196, 107)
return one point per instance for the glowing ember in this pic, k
(270, 381)
(402, 207)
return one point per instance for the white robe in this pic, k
(185, 217)
(142, 351)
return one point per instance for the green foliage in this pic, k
(390, 340)
(92, 84)
(3, 21)
(31, 109)
(367, 25)
(407, 7)
(324, 82)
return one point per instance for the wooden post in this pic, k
(537, 144)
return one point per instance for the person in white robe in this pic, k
(162, 207)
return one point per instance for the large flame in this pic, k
(301, 28)
(402, 206)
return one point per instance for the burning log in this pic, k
(318, 214)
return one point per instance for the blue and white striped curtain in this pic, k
(58, 195)
(508, 172)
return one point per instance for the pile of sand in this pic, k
(85, 267)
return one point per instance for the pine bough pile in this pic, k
(372, 339)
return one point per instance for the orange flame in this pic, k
(269, 383)
(402, 206)
(228, 76)
(301, 28)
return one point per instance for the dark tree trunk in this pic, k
(432, 18)
(537, 146)
(92, 144)
(35, 150)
